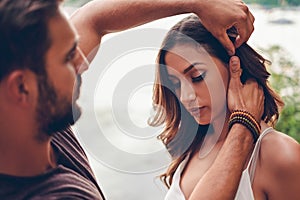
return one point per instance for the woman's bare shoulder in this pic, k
(279, 161)
(279, 151)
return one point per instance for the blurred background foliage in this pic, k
(285, 79)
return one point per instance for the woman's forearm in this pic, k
(222, 179)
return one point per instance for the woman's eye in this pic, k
(199, 78)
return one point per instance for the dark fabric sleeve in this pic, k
(72, 155)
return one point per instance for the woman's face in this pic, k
(200, 82)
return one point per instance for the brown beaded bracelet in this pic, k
(247, 120)
(248, 115)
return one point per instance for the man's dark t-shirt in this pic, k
(71, 179)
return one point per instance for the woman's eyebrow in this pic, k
(191, 67)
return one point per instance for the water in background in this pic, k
(276, 26)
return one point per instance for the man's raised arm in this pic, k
(100, 17)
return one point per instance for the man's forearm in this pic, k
(222, 179)
(97, 18)
(117, 15)
(100, 17)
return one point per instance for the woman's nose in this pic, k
(187, 92)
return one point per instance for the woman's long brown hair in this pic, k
(182, 135)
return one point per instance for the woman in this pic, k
(190, 94)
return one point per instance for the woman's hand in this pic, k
(248, 97)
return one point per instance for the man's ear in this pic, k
(19, 86)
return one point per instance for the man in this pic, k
(40, 63)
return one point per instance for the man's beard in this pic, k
(54, 111)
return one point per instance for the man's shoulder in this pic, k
(59, 183)
(67, 141)
(68, 183)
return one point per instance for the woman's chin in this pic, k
(202, 121)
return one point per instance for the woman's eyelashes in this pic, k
(199, 78)
(177, 83)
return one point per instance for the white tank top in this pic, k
(244, 191)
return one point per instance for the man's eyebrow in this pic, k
(191, 67)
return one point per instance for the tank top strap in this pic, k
(253, 159)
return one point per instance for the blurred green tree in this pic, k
(285, 79)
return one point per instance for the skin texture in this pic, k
(202, 89)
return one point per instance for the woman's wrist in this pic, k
(246, 119)
(242, 133)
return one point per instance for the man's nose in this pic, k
(82, 64)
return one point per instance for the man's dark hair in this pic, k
(24, 36)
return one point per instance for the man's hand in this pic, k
(248, 97)
(219, 15)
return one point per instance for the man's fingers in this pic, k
(226, 42)
(252, 18)
(244, 35)
(244, 32)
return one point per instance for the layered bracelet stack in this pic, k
(246, 119)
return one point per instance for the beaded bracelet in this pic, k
(246, 119)
(248, 115)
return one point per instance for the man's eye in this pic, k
(199, 78)
(70, 57)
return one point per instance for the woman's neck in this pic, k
(217, 137)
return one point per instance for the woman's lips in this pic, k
(196, 111)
